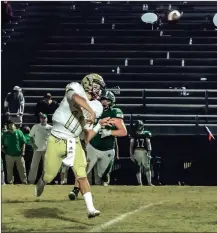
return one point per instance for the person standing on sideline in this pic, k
(13, 145)
(38, 136)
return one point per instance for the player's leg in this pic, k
(91, 160)
(34, 166)
(64, 174)
(106, 175)
(147, 165)
(56, 150)
(138, 162)
(92, 157)
(79, 168)
(106, 158)
(96, 178)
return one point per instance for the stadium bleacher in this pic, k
(67, 55)
(168, 76)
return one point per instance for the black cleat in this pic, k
(73, 196)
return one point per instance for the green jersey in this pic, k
(13, 142)
(140, 140)
(28, 143)
(107, 143)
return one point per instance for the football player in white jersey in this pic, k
(76, 114)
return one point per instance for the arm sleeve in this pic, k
(22, 138)
(148, 134)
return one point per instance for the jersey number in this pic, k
(140, 142)
(71, 119)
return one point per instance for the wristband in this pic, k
(97, 128)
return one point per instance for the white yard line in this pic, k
(122, 216)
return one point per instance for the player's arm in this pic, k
(132, 141)
(117, 148)
(81, 102)
(148, 141)
(118, 122)
(90, 132)
(121, 130)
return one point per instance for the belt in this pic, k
(65, 140)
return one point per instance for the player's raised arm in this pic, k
(83, 103)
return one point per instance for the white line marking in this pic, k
(122, 216)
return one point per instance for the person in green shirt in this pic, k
(13, 145)
(4, 129)
(140, 151)
(101, 149)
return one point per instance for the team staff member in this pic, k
(38, 137)
(13, 145)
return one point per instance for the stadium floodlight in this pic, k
(215, 19)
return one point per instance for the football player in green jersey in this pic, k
(101, 149)
(140, 151)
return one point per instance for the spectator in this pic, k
(38, 136)
(6, 12)
(14, 105)
(13, 145)
(29, 149)
(47, 106)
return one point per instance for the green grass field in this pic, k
(174, 209)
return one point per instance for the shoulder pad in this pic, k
(117, 113)
(97, 107)
(147, 133)
(77, 88)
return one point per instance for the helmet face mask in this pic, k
(106, 103)
(93, 84)
(139, 126)
(107, 100)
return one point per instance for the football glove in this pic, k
(105, 133)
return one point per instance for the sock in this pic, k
(65, 181)
(76, 190)
(139, 177)
(148, 175)
(89, 201)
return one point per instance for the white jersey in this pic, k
(69, 119)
